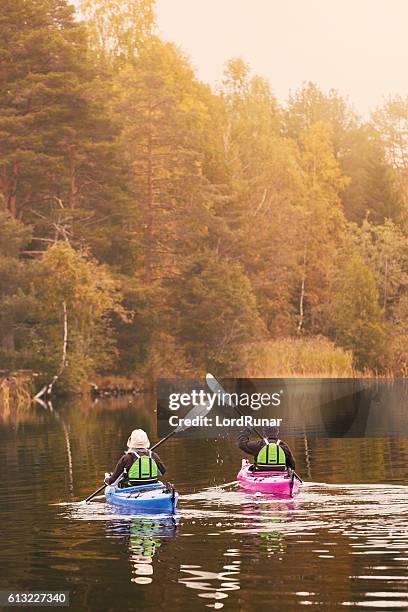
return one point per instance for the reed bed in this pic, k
(297, 357)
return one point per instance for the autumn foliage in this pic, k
(186, 228)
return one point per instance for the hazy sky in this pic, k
(359, 47)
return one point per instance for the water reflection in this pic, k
(322, 537)
(144, 541)
(47, 405)
(270, 517)
(339, 544)
(213, 585)
(144, 537)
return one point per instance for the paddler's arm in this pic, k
(290, 460)
(159, 462)
(245, 444)
(119, 469)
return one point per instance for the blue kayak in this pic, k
(151, 498)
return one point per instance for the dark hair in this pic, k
(271, 432)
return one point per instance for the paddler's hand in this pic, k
(107, 477)
(245, 434)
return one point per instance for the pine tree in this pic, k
(356, 316)
(321, 214)
(38, 78)
(55, 140)
(162, 130)
(262, 184)
(372, 190)
(217, 313)
(15, 277)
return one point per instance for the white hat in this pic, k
(138, 439)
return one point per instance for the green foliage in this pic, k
(356, 316)
(118, 28)
(309, 105)
(384, 249)
(163, 125)
(91, 297)
(320, 214)
(216, 312)
(391, 125)
(178, 225)
(398, 341)
(262, 184)
(42, 64)
(14, 279)
(13, 235)
(360, 150)
(60, 168)
(372, 191)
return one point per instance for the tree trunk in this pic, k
(3, 183)
(302, 293)
(301, 302)
(47, 389)
(8, 341)
(150, 205)
(73, 190)
(385, 284)
(8, 187)
(12, 198)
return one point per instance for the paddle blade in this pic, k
(200, 410)
(216, 387)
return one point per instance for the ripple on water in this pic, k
(332, 523)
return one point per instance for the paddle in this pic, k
(88, 499)
(215, 387)
(292, 480)
(196, 411)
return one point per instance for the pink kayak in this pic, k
(274, 483)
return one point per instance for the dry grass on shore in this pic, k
(14, 392)
(297, 357)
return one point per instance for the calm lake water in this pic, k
(342, 543)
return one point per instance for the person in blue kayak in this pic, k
(270, 453)
(138, 465)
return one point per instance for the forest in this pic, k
(170, 227)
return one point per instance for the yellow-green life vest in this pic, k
(271, 454)
(144, 468)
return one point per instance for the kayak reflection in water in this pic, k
(144, 537)
(138, 465)
(269, 453)
(144, 541)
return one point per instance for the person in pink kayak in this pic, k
(271, 453)
(138, 465)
